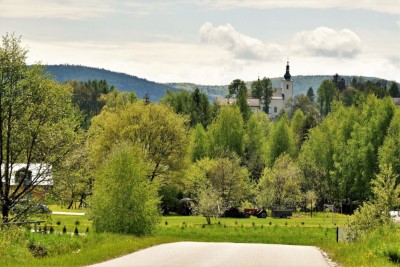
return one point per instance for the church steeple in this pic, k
(287, 75)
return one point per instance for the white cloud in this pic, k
(327, 42)
(67, 9)
(240, 45)
(398, 23)
(384, 6)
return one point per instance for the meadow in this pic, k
(375, 249)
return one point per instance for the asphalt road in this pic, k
(202, 254)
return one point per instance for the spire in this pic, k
(287, 75)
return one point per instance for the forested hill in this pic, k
(122, 81)
(156, 91)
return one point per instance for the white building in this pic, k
(280, 99)
(282, 96)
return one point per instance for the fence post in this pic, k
(337, 234)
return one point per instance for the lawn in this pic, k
(89, 247)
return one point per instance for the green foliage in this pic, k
(195, 105)
(122, 81)
(123, 200)
(156, 129)
(199, 143)
(255, 149)
(327, 93)
(376, 212)
(310, 94)
(241, 102)
(389, 152)
(280, 186)
(86, 96)
(262, 89)
(37, 122)
(226, 133)
(280, 141)
(209, 204)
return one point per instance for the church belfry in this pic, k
(287, 84)
(287, 75)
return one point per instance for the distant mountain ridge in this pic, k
(156, 91)
(122, 81)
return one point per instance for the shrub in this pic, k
(37, 250)
(76, 232)
(124, 200)
(64, 230)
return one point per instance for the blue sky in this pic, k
(211, 42)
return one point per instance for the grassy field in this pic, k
(77, 250)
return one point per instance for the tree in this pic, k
(244, 107)
(310, 94)
(262, 90)
(88, 97)
(195, 105)
(327, 93)
(226, 133)
(124, 200)
(209, 204)
(255, 148)
(389, 152)
(199, 143)
(237, 86)
(37, 125)
(162, 135)
(280, 186)
(394, 90)
(374, 213)
(72, 177)
(230, 180)
(339, 82)
(281, 140)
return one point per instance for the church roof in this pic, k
(287, 75)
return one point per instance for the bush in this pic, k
(124, 200)
(12, 242)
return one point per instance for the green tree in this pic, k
(124, 200)
(209, 204)
(199, 143)
(230, 180)
(87, 96)
(162, 135)
(262, 90)
(394, 90)
(281, 140)
(37, 125)
(244, 107)
(226, 133)
(237, 86)
(72, 177)
(310, 94)
(280, 186)
(374, 213)
(255, 149)
(389, 152)
(327, 93)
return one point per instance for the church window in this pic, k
(287, 86)
(275, 109)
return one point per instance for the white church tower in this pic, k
(287, 85)
(282, 96)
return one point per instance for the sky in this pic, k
(211, 42)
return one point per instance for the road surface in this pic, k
(207, 254)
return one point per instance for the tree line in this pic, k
(132, 157)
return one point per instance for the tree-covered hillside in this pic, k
(122, 81)
(156, 91)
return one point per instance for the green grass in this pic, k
(70, 250)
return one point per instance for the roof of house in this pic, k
(253, 102)
(41, 173)
(396, 100)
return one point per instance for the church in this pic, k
(282, 96)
